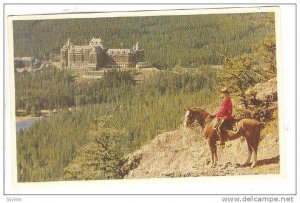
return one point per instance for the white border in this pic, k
(255, 184)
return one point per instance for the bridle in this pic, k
(195, 124)
(206, 122)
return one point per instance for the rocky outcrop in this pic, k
(184, 153)
(261, 100)
(264, 91)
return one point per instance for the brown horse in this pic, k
(248, 128)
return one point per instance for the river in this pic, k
(27, 123)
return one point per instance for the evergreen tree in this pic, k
(266, 53)
(241, 72)
(102, 157)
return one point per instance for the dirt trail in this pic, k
(184, 153)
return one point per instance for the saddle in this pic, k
(229, 125)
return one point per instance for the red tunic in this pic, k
(225, 109)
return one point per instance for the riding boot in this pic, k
(222, 142)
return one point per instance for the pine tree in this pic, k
(266, 51)
(102, 157)
(244, 71)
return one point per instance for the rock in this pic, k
(228, 164)
(207, 161)
(171, 174)
(225, 165)
(265, 90)
(237, 165)
(187, 174)
(132, 163)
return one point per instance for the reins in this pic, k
(206, 121)
(209, 121)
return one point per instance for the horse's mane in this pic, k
(200, 110)
(202, 113)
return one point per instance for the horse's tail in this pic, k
(257, 138)
(261, 125)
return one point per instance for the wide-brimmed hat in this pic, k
(224, 90)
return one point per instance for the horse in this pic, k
(246, 127)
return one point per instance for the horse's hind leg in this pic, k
(254, 148)
(254, 159)
(249, 152)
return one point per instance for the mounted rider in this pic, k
(224, 113)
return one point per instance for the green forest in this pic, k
(134, 107)
(184, 40)
(99, 122)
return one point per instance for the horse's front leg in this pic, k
(213, 152)
(249, 152)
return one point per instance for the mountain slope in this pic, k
(184, 153)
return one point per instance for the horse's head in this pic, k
(193, 115)
(189, 118)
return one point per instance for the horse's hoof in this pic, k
(213, 166)
(253, 165)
